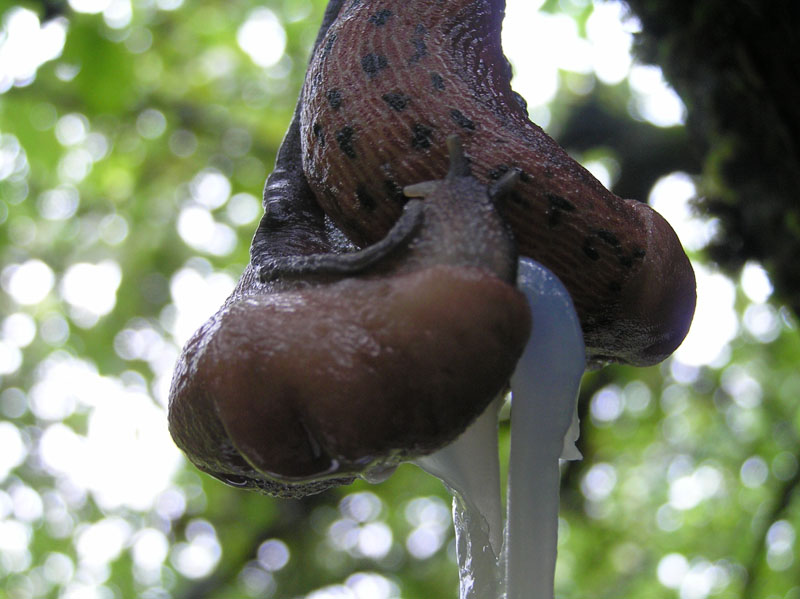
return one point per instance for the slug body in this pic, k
(325, 367)
(391, 80)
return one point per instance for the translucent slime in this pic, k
(519, 563)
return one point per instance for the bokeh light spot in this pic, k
(262, 37)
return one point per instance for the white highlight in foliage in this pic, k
(755, 283)
(126, 458)
(14, 539)
(72, 129)
(198, 229)
(243, 209)
(91, 289)
(273, 555)
(13, 161)
(262, 37)
(196, 296)
(10, 358)
(754, 472)
(25, 45)
(28, 506)
(199, 556)
(715, 322)
(60, 203)
(599, 482)
(28, 283)
(12, 449)
(671, 197)
(672, 568)
(554, 39)
(655, 100)
(210, 188)
(431, 520)
(90, 6)
(100, 543)
(150, 548)
(610, 32)
(58, 568)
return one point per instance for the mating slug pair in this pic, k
(329, 361)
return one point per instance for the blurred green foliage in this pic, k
(150, 135)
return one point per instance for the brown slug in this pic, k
(392, 79)
(323, 367)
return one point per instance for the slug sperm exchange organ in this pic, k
(378, 316)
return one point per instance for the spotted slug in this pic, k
(391, 80)
(323, 367)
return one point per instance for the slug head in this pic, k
(462, 225)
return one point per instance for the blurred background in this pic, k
(135, 138)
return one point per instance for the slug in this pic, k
(391, 80)
(327, 366)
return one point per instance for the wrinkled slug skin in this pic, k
(391, 80)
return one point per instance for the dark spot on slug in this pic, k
(556, 207)
(462, 120)
(394, 192)
(344, 137)
(636, 255)
(319, 134)
(589, 249)
(421, 136)
(420, 50)
(607, 237)
(379, 18)
(373, 64)
(334, 98)
(498, 171)
(326, 50)
(396, 100)
(418, 42)
(365, 200)
(437, 81)
(615, 286)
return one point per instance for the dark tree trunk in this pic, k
(736, 64)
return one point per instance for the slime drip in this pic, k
(544, 428)
(470, 469)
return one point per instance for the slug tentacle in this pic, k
(350, 263)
